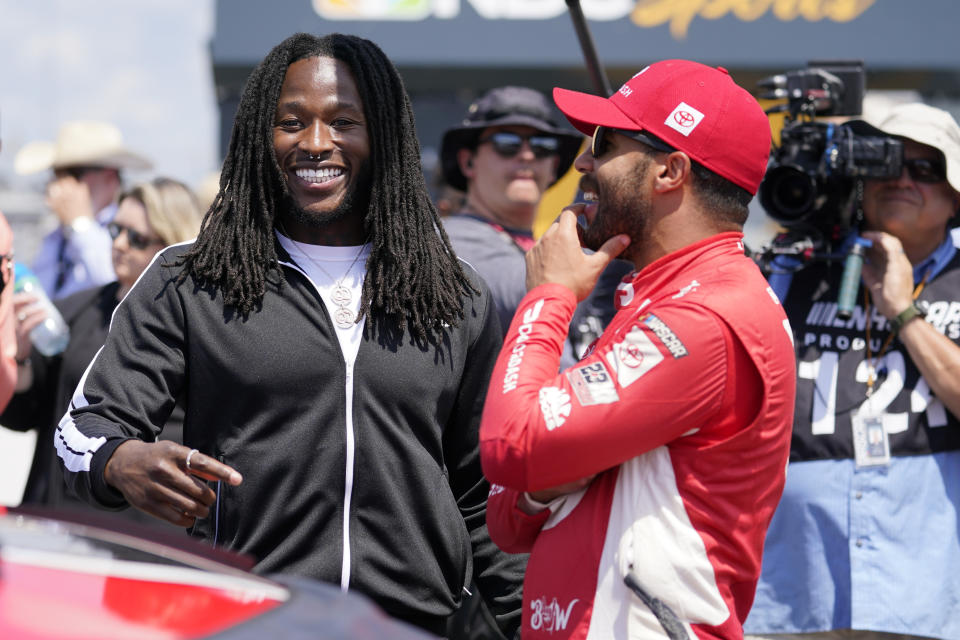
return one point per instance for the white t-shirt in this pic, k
(327, 267)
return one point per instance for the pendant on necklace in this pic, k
(341, 296)
(344, 317)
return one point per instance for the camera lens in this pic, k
(788, 194)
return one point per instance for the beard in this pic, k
(357, 200)
(624, 207)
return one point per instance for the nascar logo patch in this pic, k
(669, 339)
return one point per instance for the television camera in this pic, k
(811, 180)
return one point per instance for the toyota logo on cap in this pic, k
(684, 119)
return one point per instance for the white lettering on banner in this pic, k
(512, 374)
(633, 357)
(625, 91)
(643, 13)
(824, 314)
(449, 9)
(841, 342)
(550, 616)
(944, 315)
(824, 373)
(555, 406)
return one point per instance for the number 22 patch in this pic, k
(592, 384)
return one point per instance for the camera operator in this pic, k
(866, 539)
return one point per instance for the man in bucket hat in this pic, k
(86, 160)
(642, 479)
(866, 540)
(503, 155)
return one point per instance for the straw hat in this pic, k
(79, 144)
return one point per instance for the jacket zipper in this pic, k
(348, 483)
(348, 480)
(216, 510)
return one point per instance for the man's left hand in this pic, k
(888, 274)
(557, 257)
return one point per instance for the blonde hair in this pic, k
(173, 211)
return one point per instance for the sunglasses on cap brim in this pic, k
(508, 145)
(601, 136)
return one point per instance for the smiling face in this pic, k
(507, 189)
(322, 147)
(915, 212)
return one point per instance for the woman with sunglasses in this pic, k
(150, 216)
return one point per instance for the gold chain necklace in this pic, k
(342, 296)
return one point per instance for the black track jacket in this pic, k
(394, 509)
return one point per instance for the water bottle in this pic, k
(850, 280)
(51, 336)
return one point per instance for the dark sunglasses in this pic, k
(601, 134)
(507, 144)
(136, 239)
(926, 170)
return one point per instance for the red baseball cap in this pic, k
(697, 109)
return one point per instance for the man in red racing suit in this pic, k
(643, 478)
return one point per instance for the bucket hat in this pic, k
(500, 107)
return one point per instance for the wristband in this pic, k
(905, 316)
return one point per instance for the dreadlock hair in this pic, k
(413, 277)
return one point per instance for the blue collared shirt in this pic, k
(874, 548)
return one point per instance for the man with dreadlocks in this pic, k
(332, 351)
